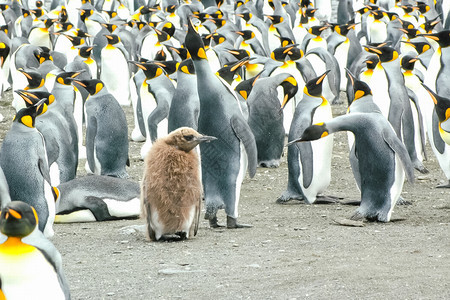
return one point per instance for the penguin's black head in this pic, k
(407, 62)
(385, 53)
(168, 28)
(344, 29)
(295, 53)
(186, 139)
(377, 14)
(441, 104)
(4, 6)
(85, 51)
(170, 66)
(111, 13)
(218, 22)
(429, 25)
(420, 47)
(86, 13)
(18, 219)
(63, 16)
(187, 67)
(442, 37)
(229, 71)
(93, 86)
(25, 12)
(218, 38)
(49, 22)
(239, 53)
(37, 12)
(201, 16)
(151, 70)
(5, 29)
(194, 43)
(160, 55)
(182, 52)
(391, 15)
(372, 61)
(32, 98)
(246, 34)
(290, 88)
(279, 54)
(285, 41)
(408, 8)
(112, 39)
(314, 86)
(66, 78)
(360, 88)
(410, 32)
(76, 40)
(39, 3)
(312, 133)
(162, 35)
(27, 116)
(110, 27)
(275, 19)
(245, 87)
(65, 26)
(362, 10)
(309, 12)
(171, 8)
(4, 52)
(317, 30)
(44, 56)
(422, 7)
(35, 79)
(246, 15)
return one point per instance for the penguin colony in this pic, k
(241, 75)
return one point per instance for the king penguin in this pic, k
(114, 69)
(266, 116)
(223, 162)
(383, 161)
(23, 159)
(96, 198)
(106, 131)
(30, 265)
(171, 191)
(442, 106)
(309, 164)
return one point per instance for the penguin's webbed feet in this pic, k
(323, 199)
(444, 185)
(213, 223)
(420, 167)
(287, 196)
(232, 223)
(402, 201)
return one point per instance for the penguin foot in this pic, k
(401, 201)
(357, 216)
(444, 186)
(322, 199)
(232, 223)
(286, 197)
(420, 167)
(214, 224)
(351, 202)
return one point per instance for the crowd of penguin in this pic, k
(232, 77)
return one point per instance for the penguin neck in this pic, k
(15, 246)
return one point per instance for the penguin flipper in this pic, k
(397, 146)
(155, 117)
(91, 132)
(437, 139)
(245, 135)
(306, 160)
(43, 168)
(413, 97)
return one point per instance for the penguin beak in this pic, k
(205, 138)
(293, 142)
(321, 78)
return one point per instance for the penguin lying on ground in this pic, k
(30, 265)
(96, 198)
(171, 186)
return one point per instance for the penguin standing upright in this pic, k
(442, 107)
(23, 159)
(309, 164)
(223, 162)
(266, 117)
(155, 96)
(30, 265)
(171, 191)
(114, 69)
(106, 131)
(185, 106)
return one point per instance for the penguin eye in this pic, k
(188, 137)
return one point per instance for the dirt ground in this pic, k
(294, 251)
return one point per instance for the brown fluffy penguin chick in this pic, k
(172, 189)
